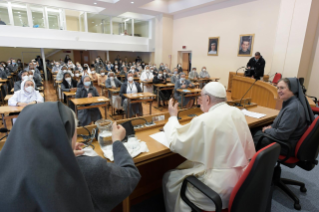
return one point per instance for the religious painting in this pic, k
(213, 45)
(246, 43)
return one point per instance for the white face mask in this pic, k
(182, 79)
(65, 71)
(204, 69)
(194, 70)
(93, 72)
(159, 75)
(116, 66)
(29, 89)
(68, 79)
(56, 65)
(130, 79)
(109, 66)
(111, 78)
(102, 74)
(164, 73)
(147, 70)
(25, 78)
(77, 75)
(31, 76)
(32, 71)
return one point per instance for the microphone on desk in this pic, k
(239, 104)
(239, 69)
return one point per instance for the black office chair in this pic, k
(252, 191)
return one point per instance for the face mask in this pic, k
(194, 70)
(159, 75)
(31, 76)
(204, 69)
(19, 61)
(175, 72)
(109, 66)
(13, 63)
(68, 79)
(4, 65)
(147, 70)
(29, 89)
(164, 73)
(56, 65)
(64, 71)
(102, 74)
(25, 78)
(32, 70)
(77, 75)
(9, 63)
(93, 72)
(116, 66)
(87, 84)
(130, 79)
(182, 79)
(111, 78)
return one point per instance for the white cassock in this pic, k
(147, 76)
(217, 145)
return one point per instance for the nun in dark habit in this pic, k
(293, 119)
(39, 170)
(86, 116)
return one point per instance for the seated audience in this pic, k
(147, 76)
(93, 75)
(102, 77)
(131, 87)
(87, 116)
(193, 75)
(216, 152)
(164, 95)
(204, 73)
(293, 119)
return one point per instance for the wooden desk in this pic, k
(7, 110)
(9, 96)
(81, 103)
(230, 79)
(69, 94)
(202, 81)
(144, 83)
(162, 87)
(138, 97)
(58, 89)
(189, 92)
(153, 164)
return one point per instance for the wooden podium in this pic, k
(261, 93)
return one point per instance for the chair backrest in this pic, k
(251, 192)
(277, 77)
(307, 147)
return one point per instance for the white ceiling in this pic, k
(140, 9)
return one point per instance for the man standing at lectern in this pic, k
(257, 63)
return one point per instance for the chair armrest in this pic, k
(282, 144)
(202, 188)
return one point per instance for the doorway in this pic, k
(185, 58)
(81, 56)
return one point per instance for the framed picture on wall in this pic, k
(246, 43)
(213, 45)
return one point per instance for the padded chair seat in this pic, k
(291, 160)
(315, 109)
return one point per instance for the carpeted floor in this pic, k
(281, 202)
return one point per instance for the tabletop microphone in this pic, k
(239, 104)
(239, 69)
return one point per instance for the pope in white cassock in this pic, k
(217, 145)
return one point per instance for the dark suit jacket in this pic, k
(259, 66)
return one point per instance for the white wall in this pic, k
(257, 17)
(12, 36)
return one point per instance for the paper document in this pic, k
(253, 114)
(161, 138)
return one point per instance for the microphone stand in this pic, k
(239, 104)
(239, 69)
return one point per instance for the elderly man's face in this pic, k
(245, 46)
(203, 100)
(28, 83)
(213, 47)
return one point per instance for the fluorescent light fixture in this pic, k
(132, 2)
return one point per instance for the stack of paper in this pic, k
(253, 114)
(161, 138)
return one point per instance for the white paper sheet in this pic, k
(253, 114)
(161, 138)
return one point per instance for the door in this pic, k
(81, 56)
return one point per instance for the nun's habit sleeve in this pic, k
(13, 101)
(110, 183)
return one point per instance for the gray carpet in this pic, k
(281, 202)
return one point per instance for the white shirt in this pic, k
(131, 88)
(146, 76)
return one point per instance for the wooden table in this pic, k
(153, 164)
(138, 97)
(189, 92)
(69, 94)
(85, 103)
(202, 81)
(162, 87)
(7, 110)
(146, 83)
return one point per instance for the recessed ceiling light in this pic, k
(94, 3)
(18, 12)
(92, 22)
(132, 2)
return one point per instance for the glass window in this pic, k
(122, 26)
(54, 18)
(82, 26)
(141, 28)
(20, 17)
(72, 20)
(37, 17)
(4, 15)
(99, 23)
